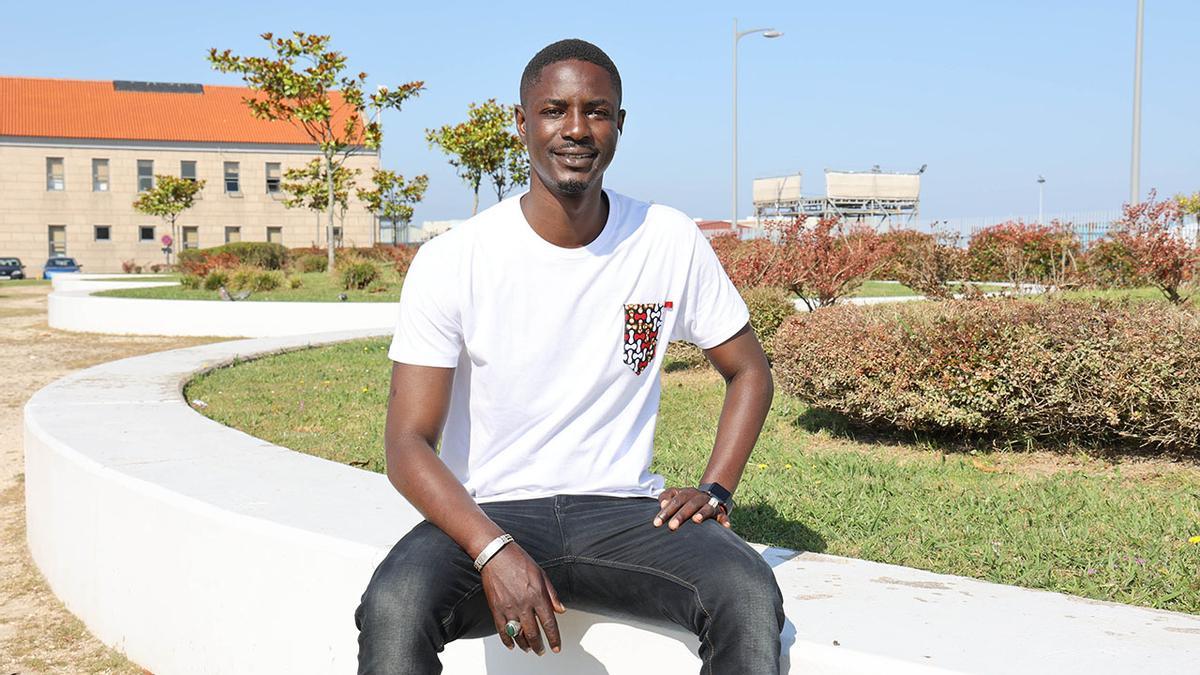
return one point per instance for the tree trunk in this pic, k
(475, 206)
(330, 206)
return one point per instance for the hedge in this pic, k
(1013, 370)
(254, 253)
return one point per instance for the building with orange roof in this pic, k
(74, 154)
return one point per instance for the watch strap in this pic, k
(723, 495)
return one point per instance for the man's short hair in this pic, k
(568, 50)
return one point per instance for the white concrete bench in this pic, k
(195, 548)
(73, 307)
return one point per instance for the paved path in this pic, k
(37, 635)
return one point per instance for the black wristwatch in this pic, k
(725, 497)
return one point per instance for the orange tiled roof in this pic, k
(96, 110)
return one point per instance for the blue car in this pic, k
(59, 265)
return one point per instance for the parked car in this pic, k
(11, 268)
(59, 265)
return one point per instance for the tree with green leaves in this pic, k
(307, 187)
(484, 145)
(303, 85)
(169, 197)
(392, 197)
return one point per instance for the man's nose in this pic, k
(575, 126)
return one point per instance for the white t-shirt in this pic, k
(558, 350)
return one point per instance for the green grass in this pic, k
(24, 282)
(894, 289)
(1060, 522)
(1141, 294)
(317, 287)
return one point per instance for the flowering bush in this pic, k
(1159, 254)
(1020, 252)
(1010, 370)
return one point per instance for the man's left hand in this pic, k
(680, 504)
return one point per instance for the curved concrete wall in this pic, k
(196, 548)
(72, 307)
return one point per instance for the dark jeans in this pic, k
(603, 555)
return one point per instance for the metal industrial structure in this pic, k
(884, 200)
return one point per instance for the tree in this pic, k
(484, 146)
(392, 197)
(169, 197)
(298, 86)
(308, 187)
(1189, 205)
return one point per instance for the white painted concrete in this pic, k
(196, 548)
(72, 307)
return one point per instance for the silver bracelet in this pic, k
(491, 549)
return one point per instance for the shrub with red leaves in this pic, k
(926, 263)
(1021, 253)
(826, 261)
(1009, 370)
(1159, 254)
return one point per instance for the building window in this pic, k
(273, 177)
(146, 233)
(99, 175)
(187, 170)
(58, 240)
(191, 237)
(274, 235)
(233, 233)
(232, 184)
(145, 168)
(55, 180)
(337, 236)
(102, 232)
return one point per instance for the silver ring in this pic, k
(512, 628)
(713, 502)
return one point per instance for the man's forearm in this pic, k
(747, 401)
(425, 481)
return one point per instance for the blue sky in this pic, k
(988, 94)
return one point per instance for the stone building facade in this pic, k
(74, 156)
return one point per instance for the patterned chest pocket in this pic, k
(643, 322)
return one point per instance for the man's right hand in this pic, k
(517, 588)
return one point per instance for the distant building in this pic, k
(716, 228)
(74, 155)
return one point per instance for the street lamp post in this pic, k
(1041, 195)
(1135, 163)
(767, 33)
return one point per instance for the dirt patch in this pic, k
(37, 634)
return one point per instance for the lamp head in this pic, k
(772, 33)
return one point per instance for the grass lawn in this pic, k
(316, 287)
(1058, 521)
(24, 282)
(1140, 294)
(894, 289)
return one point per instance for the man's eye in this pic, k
(552, 112)
(600, 113)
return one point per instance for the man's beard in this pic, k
(572, 186)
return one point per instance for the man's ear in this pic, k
(620, 121)
(519, 117)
